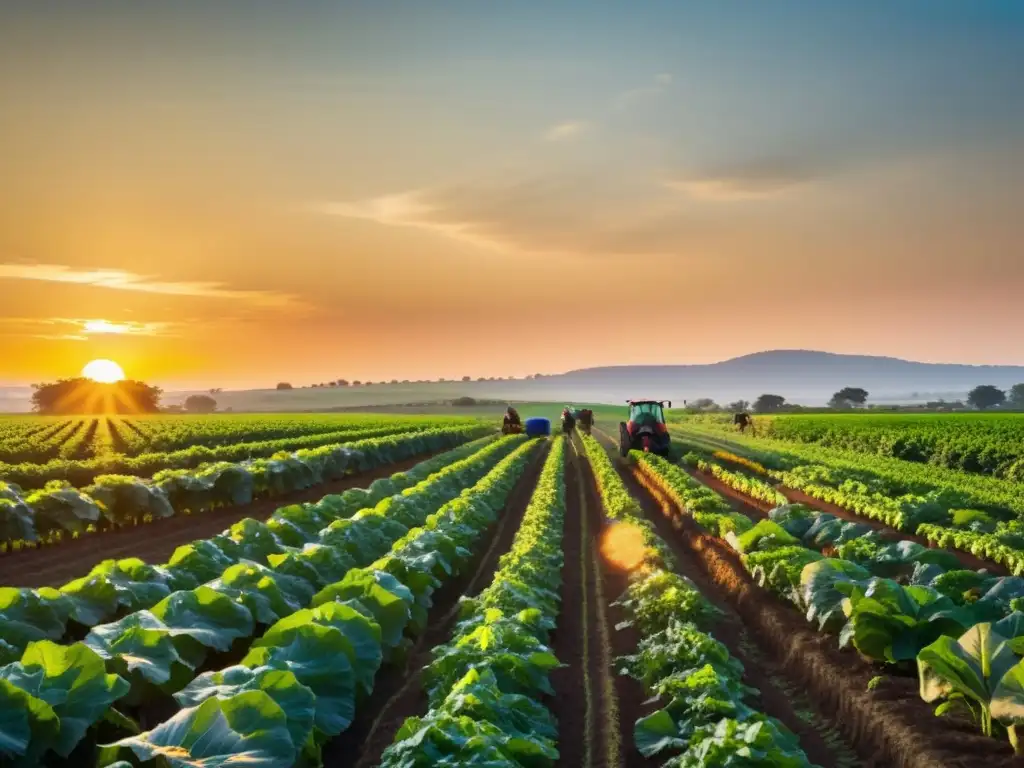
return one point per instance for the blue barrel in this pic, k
(537, 426)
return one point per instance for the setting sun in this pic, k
(103, 371)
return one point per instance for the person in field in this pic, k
(742, 420)
(586, 420)
(568, 422)
(512, 423)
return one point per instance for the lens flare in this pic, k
(623, 546)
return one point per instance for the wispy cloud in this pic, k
(659, 83)
(79, 329)
(122, 280)
(751, 180)
(565, 131)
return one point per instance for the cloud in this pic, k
(661, 83)
(581, 214)
(565, 131)
(78, 329)
(751, 180)
(127, 281)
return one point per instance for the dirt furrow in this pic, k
(397, 692)
(155, 542)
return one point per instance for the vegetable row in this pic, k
(59, 510)
(937, 515)
(263, 581)
(486, 686)
(898, 604)
(302, 683)
(706, 717)
(77, 471)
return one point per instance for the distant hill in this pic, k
(801, 376)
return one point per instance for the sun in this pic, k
(103, 371)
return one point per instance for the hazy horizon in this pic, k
(232, 194)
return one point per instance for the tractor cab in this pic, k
(646, 429)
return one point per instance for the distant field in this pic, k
(983, 443)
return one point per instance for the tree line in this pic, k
(982, 397)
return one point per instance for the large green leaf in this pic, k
(27, 723)
(248, 729)
(93, 599)
(142, 643)
(819, 587)
(296, 699)
(361, 631)
(319, 658)
(73, 681)
(972, 665)
(206, 615)
(389, 600)
(256, 587)
(32, 614)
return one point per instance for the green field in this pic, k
(984, 443)
(412, 588)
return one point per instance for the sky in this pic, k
(236, 193)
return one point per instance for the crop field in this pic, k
(440, 594)
(983, 443)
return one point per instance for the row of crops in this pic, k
(263, 641)
(90, 447)
(900, 604)
(989, 444)
(985, 525)
(59, 509)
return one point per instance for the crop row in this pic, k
(899, 604)
(258, 580)
(936, 516)
(485, 686)
(705, 717)
(117, 586)
(59, 510)
(78, 471)
(891, 477)
(303, 682)
(991, 444)
(152, 434)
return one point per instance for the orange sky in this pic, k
(361, 193)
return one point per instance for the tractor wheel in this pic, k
(624, 442)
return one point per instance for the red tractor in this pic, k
(646, 429)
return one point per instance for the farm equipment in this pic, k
(646, 429)
(568, 421)
(538, 427)
(512, 425)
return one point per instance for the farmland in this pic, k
(420, 590)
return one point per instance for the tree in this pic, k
(1016, 398)
(200, 404)
(464, 378)
(82, 395)
(738, 406)
(215, 391)
(769, 403)
(986, 396)
(284, 385)
(848, 397)
(703, 404)
(343, 383)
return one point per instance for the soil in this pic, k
(155, 542)
(887, 726)
(625, 698)
(397, 692)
